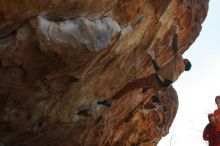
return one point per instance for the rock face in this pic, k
(58, 58)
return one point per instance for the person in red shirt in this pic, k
(209, 131)
(217, 120)
(217, 113)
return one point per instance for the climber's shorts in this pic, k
(163, 84)
(153, 81)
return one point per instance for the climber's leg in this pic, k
(152, 81)
(130, 87)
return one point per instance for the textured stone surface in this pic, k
(58, 58)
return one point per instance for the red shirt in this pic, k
(217, 138)
(209, 135)
(216, 115)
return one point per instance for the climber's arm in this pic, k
(175, 44)
(155, 65)
(153, 60)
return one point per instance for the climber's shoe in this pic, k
(105, 102)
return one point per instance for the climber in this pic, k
(169, 73)
(217, 120)
(163, 77)
(209, 131)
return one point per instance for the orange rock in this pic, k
(46, 82)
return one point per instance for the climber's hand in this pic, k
(176, 28)
(152, 54)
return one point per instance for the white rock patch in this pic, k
(95, 34)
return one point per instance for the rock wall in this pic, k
(58, 58)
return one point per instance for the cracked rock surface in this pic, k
(59, 58)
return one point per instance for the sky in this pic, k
(198, 87)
